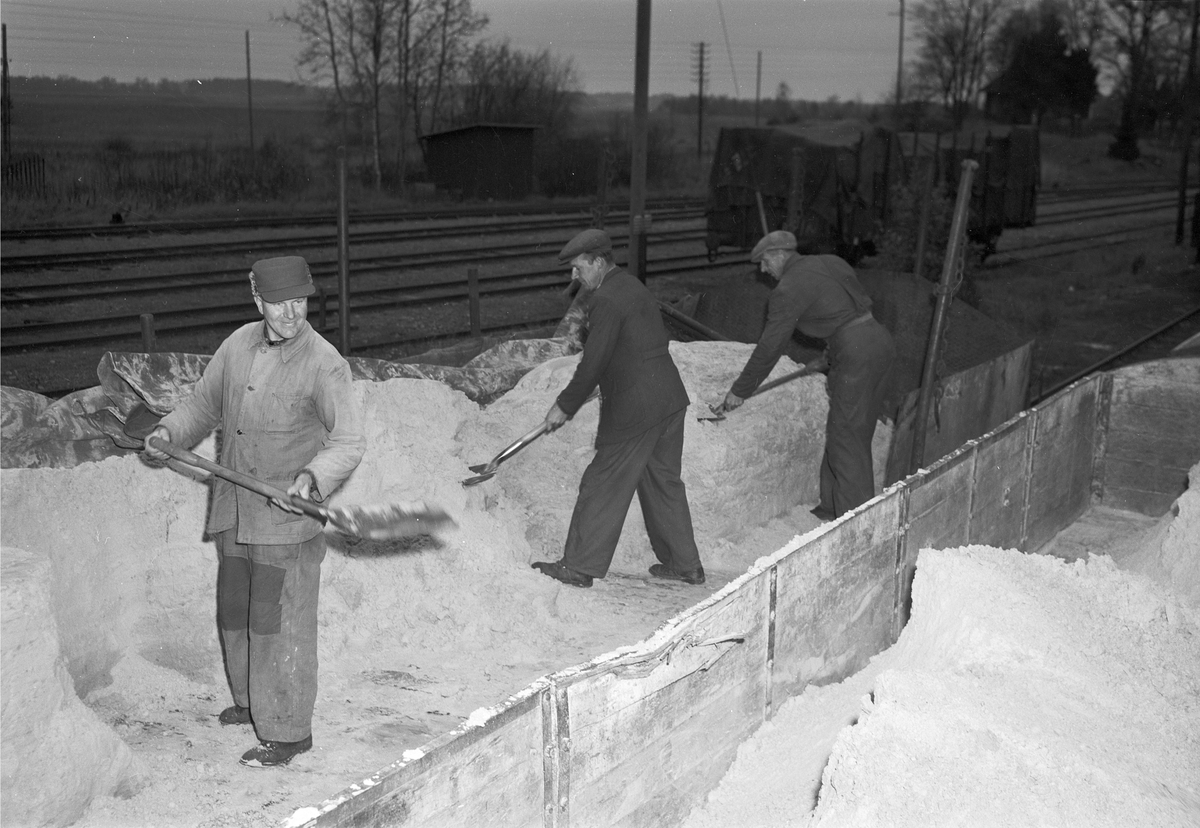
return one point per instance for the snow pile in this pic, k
(1027, 690)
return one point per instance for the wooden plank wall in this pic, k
(972, 403)
(487, 774)
(1062, 462)
(1153, 436)
(639, 737)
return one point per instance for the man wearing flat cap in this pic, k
(289, 416)
(639, 442)
(821, 295)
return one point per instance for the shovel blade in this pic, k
(479, 478)
(714, 414)
(390, 521)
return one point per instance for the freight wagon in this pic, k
(833, 188)
(637, 737)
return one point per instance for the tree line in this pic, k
(1046, 59)
(403, 69)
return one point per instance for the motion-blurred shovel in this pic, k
(387, 521)
(814, 367)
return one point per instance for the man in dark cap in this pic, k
(639, 442)
(290, 416)
(821, 295)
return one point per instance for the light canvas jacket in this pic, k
(282, 408)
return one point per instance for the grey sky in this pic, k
(820, 48)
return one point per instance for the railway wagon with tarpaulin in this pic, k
(829, 186)
(832, 186)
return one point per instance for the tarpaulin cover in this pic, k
(90, 425)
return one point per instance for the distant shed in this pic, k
(482, 160)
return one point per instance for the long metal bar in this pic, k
(945, 293)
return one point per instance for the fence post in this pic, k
(343, 258)
(473, 301)
(148, 343)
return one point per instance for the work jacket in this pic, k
(627, 354)
(282, 408)
(817, 295)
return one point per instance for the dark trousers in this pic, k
(267, 615)
(649, 464)
(860, 366)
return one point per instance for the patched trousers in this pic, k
(648, 464)
(267, 616)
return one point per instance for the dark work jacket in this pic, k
(818, 295)
(627, 355)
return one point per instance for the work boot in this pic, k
(692, 576)
(560, 572)
(822, 513)
(270, 754)
(234, 715)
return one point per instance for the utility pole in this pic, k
(1191, 112)
(700, 71)
(900, 66)
(758, 87)
(249, 98)
(402, 45)
(638, 220)
(5, 95)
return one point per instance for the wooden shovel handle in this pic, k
(243, 480)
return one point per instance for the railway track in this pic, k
(124, 229)
(396, 278)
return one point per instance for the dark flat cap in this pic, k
(282, 278)
(589, 241)
(775, 240)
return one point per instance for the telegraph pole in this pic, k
(758, 87)
(699, 68)
(638, 220)
(900, 66)
(5, 95)
(249, 98)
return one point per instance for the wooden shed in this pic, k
(482, 160)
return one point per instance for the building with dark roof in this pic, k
(482, 161)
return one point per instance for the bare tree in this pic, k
(953, 55)
(352, 43)
(441, 33)
(1137, 31)
(503, 84)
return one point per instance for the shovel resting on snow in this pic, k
(814, 367)
(387, 521)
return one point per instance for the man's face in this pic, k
(772, 262)
(588, 270)
(283, 318)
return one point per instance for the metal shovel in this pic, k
(814, 367)
(486, 471)
(382, 522)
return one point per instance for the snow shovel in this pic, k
(814, 367)
(486, 471)
(381, 522)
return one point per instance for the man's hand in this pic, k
(152, 454)
(731, 402)
(302, 487)
(555, 418)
